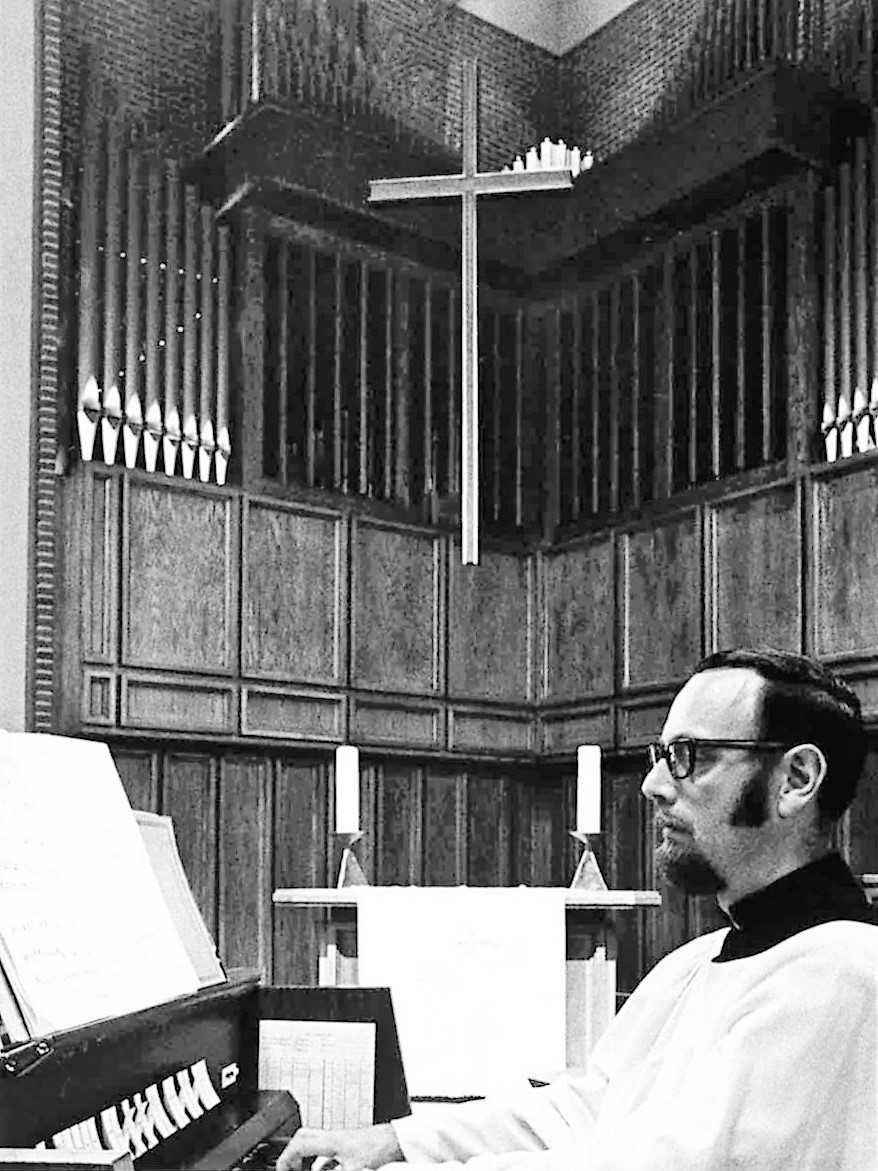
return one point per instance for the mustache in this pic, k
(662, 821)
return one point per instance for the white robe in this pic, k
(763, 1063)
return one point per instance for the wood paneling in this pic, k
(562, 731)
(292, 716)
(755, 570)
(845, 552)
(490, 732)
(397, 628)
(640, 722)
(180, 589)
(490, 627)
(397, 722)
(138, 770)
(189, 798)
(99, 698)
(294, 586)
(540, 835)
(489, 830)
(100, 569)
(445, 826)
(579, 632)
(180, 705)
(399, 826)
(622, 856)
(300, 860)
(245, 871)
(661, 592)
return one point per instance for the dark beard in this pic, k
(688, 870)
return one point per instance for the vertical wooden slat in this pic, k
(873, 215)
(595, 454)
(741, 396)
(338, 342)
(245, 863)
(189, 798)
(519, 418)
(453, 391)
(133, 246)
(636, 390)
(399, 358)
(311, 386)
(615, 396)
(431, 451)
(694, 373)
(665, 399)
(300, 836)
(387, 438)
(830, 282)
(551, 327)
(761, 31)
(804, 327)
(283, 364)
(173, 323)
(365, 438)
(715, 381)
(112, 248)
(861, 278)
(229, 62)
(190, 308)
(844, 280)
(208, 337)
(155, 186)
(575, 425)
(497, 410)
(224, 309)
(767, 327)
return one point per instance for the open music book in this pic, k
(85, 931)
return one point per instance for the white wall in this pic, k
(557, 25)
(17, 196)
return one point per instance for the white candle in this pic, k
(588, 789)
(347, 789)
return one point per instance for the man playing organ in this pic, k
(752, 1047)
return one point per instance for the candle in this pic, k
(588, 789)
(347, 789)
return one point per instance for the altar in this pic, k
(583, 979)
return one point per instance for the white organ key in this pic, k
(158, 1115)
(111, 1131)
(145, 1124)
(131, 1131)
(207, 1095)
(172, 1100)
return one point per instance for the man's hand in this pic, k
(352, 1150)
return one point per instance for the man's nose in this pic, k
(658, 784)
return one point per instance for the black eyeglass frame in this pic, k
(657, 751)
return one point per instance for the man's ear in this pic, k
(805, 768)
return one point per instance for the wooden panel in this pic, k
(138, 771)
(391, 722)
(300, 834)
(178, 705)
(444, 830)
(490, 731)
(245, 871)
(540, 835)
(490, 628)
(180, 587)
(297, 716)
(862, 840)
(622, 859)
(99, 700)
(489, 831)
(294, 585)
(579, 633)
(563, 731)
(755, 570)
(661, 591)
(100, 568)
(189, 798)
(641, 722)
(396, 616)
(845, 552)
(399, 831)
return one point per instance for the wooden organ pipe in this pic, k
(844, 310)
(431, 449)
(339, 451)
(862, 429)
(113, 203)
(715, 354)
(741, 368)
(135, 263)
(873, 267)
(224, 309)
(388, 385)
(88, 391)
(615, 453)
(519, 418)
(595, 402)
(206, 433)
(152, 415)
(575, 425)
(830, 401)
(766, 329)
(311, 377)
(694, 372)
(453, 393)
(636, 392)
(365, 437)
(283, 367)
(497, 411)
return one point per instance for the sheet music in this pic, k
(328, 1067)
(158, 836)
(478, 980)
(84, 930)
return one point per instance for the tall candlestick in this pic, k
(347, 789)
(588, 789)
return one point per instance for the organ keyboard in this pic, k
(175, 1085)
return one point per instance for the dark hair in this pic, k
(805, 702)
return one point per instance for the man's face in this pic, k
(712, 822)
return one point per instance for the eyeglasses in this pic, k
(681, 753)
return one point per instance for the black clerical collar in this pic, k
(817, 893)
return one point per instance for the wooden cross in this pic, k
(467, 186)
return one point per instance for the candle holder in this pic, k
(350, 872)
(588, 874)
